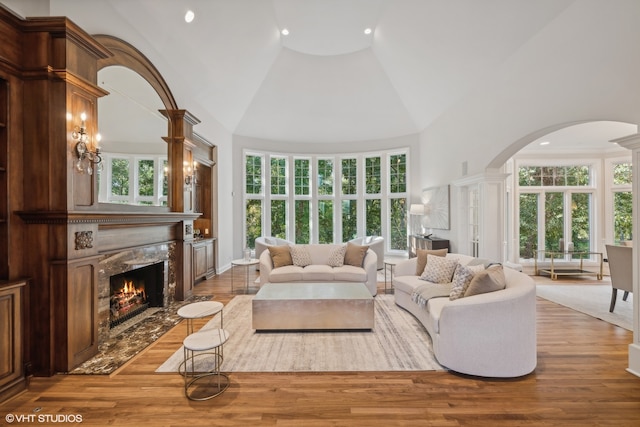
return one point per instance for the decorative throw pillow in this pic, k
(280, 256)
(462, 278)
(439, 269)
(355, 254)
(336, 257)
(489, 280)
(422, 257)
(300, 255)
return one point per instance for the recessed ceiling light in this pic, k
(285, 32)
(545, 143)
(367, 31)
(188, 17)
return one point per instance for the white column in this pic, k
(632, 142)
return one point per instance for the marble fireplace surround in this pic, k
(128, 260)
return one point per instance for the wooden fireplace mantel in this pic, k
(82, 217)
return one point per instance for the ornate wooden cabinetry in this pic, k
(4, 181)
(204, 256)
(421, 242)
(12, 369)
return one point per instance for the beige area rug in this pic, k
(398, 343)
(592, 300)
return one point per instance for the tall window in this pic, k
(349, 198)
(373, 188)
(622, 202)
(398, 202)
(327, 199)
(555, 204)
(279, 193)
(254, 195)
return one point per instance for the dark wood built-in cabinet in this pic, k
(204, 255)
(12, 364)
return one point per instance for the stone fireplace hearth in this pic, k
(129, 260)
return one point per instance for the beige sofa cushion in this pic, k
(317, 273)
(300, 255)
(422, 258)
(355, 254)
(462, 279)
(349, 273)
(336, 256)
(287, 273)
(489, 280)
(280, 256)
(439, 269)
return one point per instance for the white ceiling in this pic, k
(327, 81)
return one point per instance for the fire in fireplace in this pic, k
(134, 291)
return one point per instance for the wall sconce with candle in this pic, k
(86, 157)
(190, 173)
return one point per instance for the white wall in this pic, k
(586, 68)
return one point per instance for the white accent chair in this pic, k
(621, 270)
(376, 244)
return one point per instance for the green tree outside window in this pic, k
(279, 218)
(325, 177)
(622, 174)
(253, 211)
(302, 180)
(373, 217)
(398, 224)
(349, 220)
(120, 177)
(325, 221)
(278, 175)
(253, 175)
(622, 216)
(372, 175)
(146, 178)
(349, 176)
(528, 225)
(398, 173)
(302, 231)
(554, 220)
(581, 221)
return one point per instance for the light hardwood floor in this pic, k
(580, 380)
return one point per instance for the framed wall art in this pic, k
(436, 207)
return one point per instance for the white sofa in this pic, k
(489, 335)
(319, 270)
(376, 244)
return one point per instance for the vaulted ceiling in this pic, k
(326, 81)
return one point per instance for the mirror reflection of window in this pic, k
(134, 153)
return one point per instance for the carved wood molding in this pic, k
(60, 217)
(84, 240)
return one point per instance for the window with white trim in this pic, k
(326, 199)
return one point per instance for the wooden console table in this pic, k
(555, 271)
(417, 241)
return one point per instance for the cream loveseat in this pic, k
(490, 335)
(319, 268)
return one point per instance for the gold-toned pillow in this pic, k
(488, 280)
(280, 255)
(355, 254)
(422, 258)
